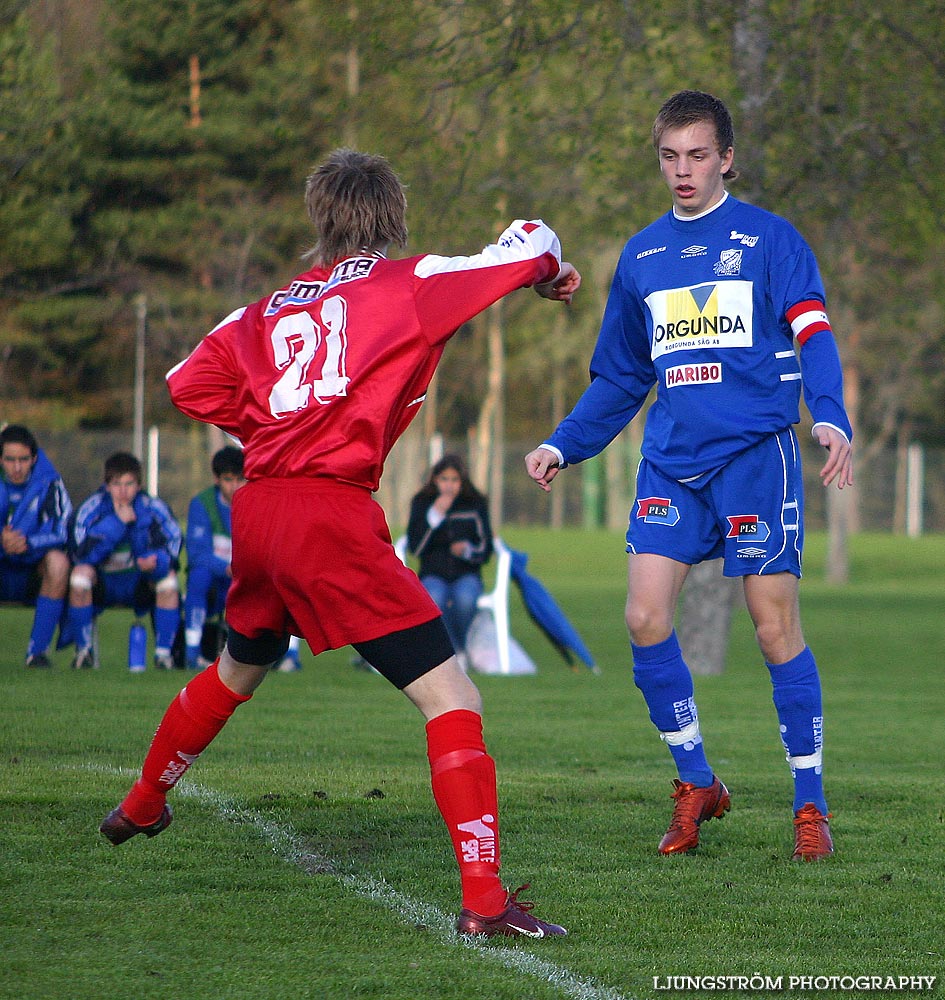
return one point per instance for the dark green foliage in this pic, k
(162, 149)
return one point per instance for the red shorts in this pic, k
(313, 557)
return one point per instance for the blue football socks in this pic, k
(79, 624)
(662, 676)
(166, 624)
(45, 620)
(797, 698)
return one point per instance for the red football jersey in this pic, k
(321, 378)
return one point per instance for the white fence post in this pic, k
(915, 478)
(154, 444)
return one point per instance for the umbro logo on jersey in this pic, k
(694, 251)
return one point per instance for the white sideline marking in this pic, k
(290, 847)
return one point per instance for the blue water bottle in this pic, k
(137, 648)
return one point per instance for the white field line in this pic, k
(289, 846)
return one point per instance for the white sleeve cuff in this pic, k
(556, 452)
(820, 423)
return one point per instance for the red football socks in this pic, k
(464, 787)
(190, 723)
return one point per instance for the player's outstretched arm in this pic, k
(542, 466)
(563, 286)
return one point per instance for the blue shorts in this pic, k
(749, 513)
(129, 589)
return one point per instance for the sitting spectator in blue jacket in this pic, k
(35, 509)
(125, 545)
(209, 549)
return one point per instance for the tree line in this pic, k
(161, 151)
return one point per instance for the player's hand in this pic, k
(563, 286)
(125, 512)
(14, 542)
(542, 465)
(146, 563)
(839, 464)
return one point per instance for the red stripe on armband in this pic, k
(807, 318)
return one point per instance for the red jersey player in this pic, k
(317, 382)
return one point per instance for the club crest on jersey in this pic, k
(657, 510)
(747, 528)
(729, 263)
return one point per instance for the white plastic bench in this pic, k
(495, 602)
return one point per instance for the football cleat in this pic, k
(812, 840)
(693, 806)
(515, 920)
(38, 661)
(118, 828)
(85, 659)
(163, 661)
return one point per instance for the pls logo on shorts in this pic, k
(747, 528)
(657, 510)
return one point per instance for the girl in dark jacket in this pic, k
(450, 534)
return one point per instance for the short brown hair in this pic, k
(356, 203)
(18, 434)
(122, 463)
(689, 107)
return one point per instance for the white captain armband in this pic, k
(807, 318)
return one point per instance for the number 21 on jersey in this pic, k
(310, 349)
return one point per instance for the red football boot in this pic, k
(514, 921)
(693, 806)
(812, 840)
(118, 828)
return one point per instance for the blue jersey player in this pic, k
(707, 305)
(125, 546)
(35, 510)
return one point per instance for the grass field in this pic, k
(307, 860)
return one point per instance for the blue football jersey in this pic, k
(708, 311)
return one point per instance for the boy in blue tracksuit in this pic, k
(706, 305)
(209, 548)
(125, 545)
(34, 510)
